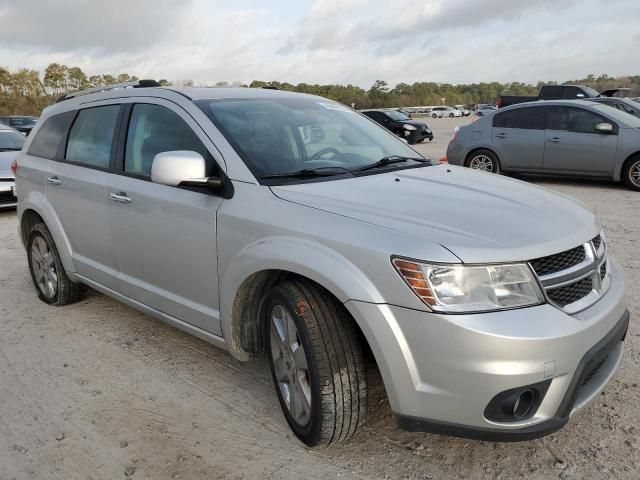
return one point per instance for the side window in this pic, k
(557, 118)
(91, 136)
(584, 121)
(46, 142)
(155, 129)
(529, 118)
(552, 92)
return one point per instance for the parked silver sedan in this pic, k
(558, 137)
(11, 142)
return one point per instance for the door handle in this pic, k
(501, 135)
(555, 140)
(120, 197)
(54, 180)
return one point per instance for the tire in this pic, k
(451, 115)
(49, 276)
(330, 394)
(479, 114)
(434, 115)
(483, 160)
(631, 173)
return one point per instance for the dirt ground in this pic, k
(97, 390)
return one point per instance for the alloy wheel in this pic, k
(44, 267)
(481, 162)
(634, 174)
(290, 364)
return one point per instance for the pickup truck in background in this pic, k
(557, 92)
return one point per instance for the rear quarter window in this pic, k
(91, 136)
(47, 140)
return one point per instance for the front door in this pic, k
(572, 144)
(165, 236)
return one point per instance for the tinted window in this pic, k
(154, 129)
(531, 118)
(11, 140)
(552, 92)
(91, 136)
(396, 115)
(47, 140)
(573, 119)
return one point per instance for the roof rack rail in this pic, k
(106, 88)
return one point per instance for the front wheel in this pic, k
(434, 116)
(451, 115)
(316, 362)
(483, 160)
(631, 173)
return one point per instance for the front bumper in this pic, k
(441, 371)
(7, 194)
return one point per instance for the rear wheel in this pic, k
(451, 115)
(631, 173)
(434, 115)
(483, 160)
(49, 276)
(316, 362)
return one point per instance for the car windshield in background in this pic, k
(395, 115)
(11, 140)
(618, 115)
(590, 92)
(22, 121)
(276, 137)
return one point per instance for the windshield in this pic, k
(618, 115)
(396, 115)
(10, 140)
(275, 136)
(22, 121)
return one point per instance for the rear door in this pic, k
(518, 137)
(76, 183)
(165, 236)
(572, 144)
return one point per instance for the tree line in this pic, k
(27, 92)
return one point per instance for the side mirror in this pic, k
(604, 127)
(182, 168)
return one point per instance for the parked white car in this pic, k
(439, 112)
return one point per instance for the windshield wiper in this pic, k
(309, 172)
(391, 159)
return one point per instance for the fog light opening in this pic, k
(517, 404)
(523, 404)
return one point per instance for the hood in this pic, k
(5, 163)
(415, 123)
(479, 217)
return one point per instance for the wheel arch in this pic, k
(477, 149)
(36, 208)
(249, 276)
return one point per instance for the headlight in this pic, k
(476, 288)
(411, 128)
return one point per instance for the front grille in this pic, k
(6, 198)
(594, 371)
(596, 242)
(559, 261)
(573, 292)
(603, 271)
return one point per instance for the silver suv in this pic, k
(271, 222)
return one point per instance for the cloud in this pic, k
(77, 25)
(325, 41)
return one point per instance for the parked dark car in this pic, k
(556, 92)
(625, 104)
(23, 124)
(412, 131)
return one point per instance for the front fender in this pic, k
(36, 201)
(304, 257)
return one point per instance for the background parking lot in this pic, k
(98, 390)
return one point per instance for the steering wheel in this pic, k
(322, 152)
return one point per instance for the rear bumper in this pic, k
(442, 371)
(7, 195)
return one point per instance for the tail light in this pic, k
(14, 167)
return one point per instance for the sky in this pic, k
(326, 41)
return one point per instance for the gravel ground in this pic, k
(97, 390)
